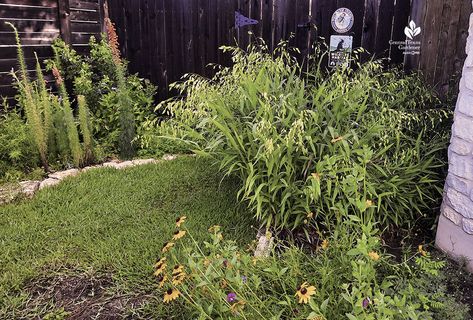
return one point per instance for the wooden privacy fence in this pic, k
(164, 39)
(39, 22)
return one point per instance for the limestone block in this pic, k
(111, 164)
(462, 126)
(459, 184)
(465, 104)
(169, 157)
(48, 183)
(91, 168)
(60, 175)
(29, 188)
(460, 203)
(468, 226)
(461, 166)
(139, 162)
(124, 165)
(461, 147)
(452, 215)
(453, 240)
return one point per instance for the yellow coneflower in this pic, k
(421, 250)
(171, 294)
(335, 140)
(316, 176)
(160, 269)
(369, 203)
(159, 262)
(324, 244)
(223, 283)
(167, 246)
(373, 255)
(177, 269)
(177, 279)
(238, 306)
(180, 221)
(214, 228)
(304, 292)
(178, 234)
(162, 280)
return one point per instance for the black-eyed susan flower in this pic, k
(304, 292)
(160, 269)
(160, 262)
(177, 269)
(178, 234)
(177, 279)
(162, 280)
(374, 255)
(167, 246)
(180, 221)
(324, 244)
(171, 294)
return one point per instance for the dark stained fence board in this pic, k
(39, 22)
(163, 39)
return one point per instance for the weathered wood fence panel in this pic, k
(39, 22)
(164, 39)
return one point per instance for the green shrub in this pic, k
(346, 277)
(18, 153)
(119, 103)
(322, 144)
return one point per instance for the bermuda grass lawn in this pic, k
(113, 221)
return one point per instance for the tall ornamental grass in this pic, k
(361, 141)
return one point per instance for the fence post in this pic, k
(64, 13)
(103, 9)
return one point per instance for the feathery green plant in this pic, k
(85, 129)
(71, 127)
(31, 103)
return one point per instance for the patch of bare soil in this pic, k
(81, 297)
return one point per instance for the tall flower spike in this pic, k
(113, 41)
(57, 76)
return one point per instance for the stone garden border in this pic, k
(30, 187)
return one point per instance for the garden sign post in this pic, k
(455, 227)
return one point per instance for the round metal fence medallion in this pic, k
(342, 20)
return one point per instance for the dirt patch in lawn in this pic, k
(81, 297)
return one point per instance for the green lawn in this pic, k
(113, 221)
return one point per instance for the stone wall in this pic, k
(455, 229)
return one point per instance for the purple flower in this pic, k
(244, 278)
(366, 302)
(231, 297)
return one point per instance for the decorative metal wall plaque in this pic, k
(342, 20)
(241, 20)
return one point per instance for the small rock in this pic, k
(60, 175)
(91, 167)
(264, 247)
(29, 188)
(48, 183)
(169, 157)
(139, 162)
(123, 165)
(111, 164)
